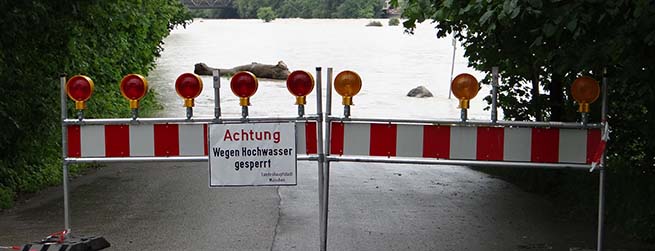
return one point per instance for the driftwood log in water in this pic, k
(278, 71)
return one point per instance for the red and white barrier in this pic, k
(157, 140)
(540, 145)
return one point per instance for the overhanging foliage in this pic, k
(42, 39)
(540, 47)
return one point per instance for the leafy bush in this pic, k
(537, 68)
(42, 39)
(394, 22)
(266, 13)
(374, 24)
(6, 197)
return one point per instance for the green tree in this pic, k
(41, 39)
(359, 9)
(545, 44)
(312, 8)
(301, 9)
(266, 13)
(249, 8)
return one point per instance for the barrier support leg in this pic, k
(325, 182)
(321, 153)
(601, 209)
(67, 225)
(326, 196)
(64, 151)
(601, 174)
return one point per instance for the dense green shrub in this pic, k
(41, 39)
(6, 197)
(374, 24)
(394, 22)
(540, 48)
(266, 13)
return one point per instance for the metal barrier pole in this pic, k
(321, 155)
(452, 67)
(64, 151)
(328, 94)
(494, 94)
(326, 171)
(217, 93)
(601, 170)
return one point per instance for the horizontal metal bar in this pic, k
(266, 119)
(470, 123)
(204, 120)
(137, 159)
(307, 157)
(422, 161)
(160, 159)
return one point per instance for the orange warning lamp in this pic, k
(465, 87)
(188, 86)
(347, 84)
(585, 90)
(134, 87)
(79, 88)
(300, 84)
(244, 84)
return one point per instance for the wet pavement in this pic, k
(168, 206)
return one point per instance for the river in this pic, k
(389, 61)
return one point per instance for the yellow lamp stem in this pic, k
(301, 100)
(188, 102)
(464, 103)
(80, 105)
(584, 107)
(347, 100)
(244, 101)
(134, 104)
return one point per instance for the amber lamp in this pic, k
(585, 90)
(465, 87)
(347, 84)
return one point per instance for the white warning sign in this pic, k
(260, 154)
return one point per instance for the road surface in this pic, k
(168, 206)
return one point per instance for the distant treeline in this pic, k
(299, 9)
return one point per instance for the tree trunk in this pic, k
(556, 97)
(278, 71)
(535, 95)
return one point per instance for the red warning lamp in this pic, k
(300, 84)
(134, 87)
(188, 86)
(465, 87)
(347, 84)
(79, 88)
(244, 84)
(585, 90)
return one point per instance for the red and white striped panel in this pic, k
(158, 140)
(543, 145)
(306, 138)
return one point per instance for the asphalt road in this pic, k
(168, 206)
